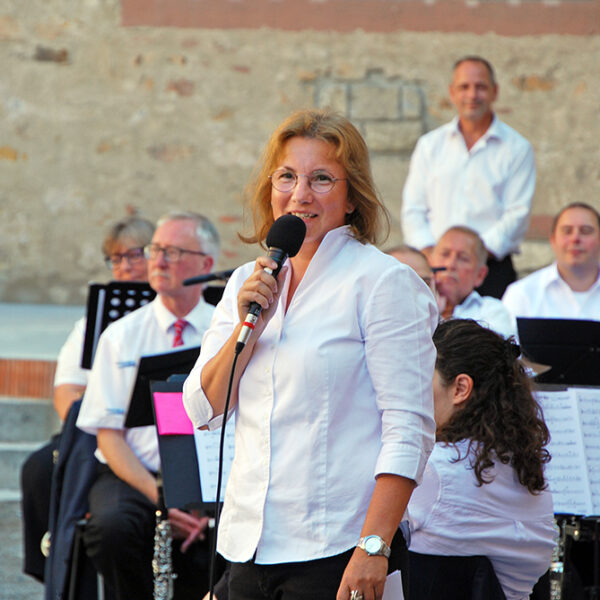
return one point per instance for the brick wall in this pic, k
(27, 378)
(505, 17)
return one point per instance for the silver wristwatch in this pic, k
(373, 545)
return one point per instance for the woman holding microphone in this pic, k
(332, 392)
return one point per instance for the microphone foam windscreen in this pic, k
(287, 233)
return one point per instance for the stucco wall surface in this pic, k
(96, 117)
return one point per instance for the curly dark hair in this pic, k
(501, 419)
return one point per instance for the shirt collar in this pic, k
(472, 299)
(166, 319)
(553, 276)
(494, 131)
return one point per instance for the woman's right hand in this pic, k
(262, 288)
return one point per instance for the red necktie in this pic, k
(179, 327)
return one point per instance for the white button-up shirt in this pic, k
(449, 514)
(338, 390)
(488, 312)
(545, 294)
(488, 188)
(68, 364)
(146, 331)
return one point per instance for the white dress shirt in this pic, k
(147, 330)
(488, 188)
(68, 364)
(545, 294)
(338, 390)
(488, 312)
(449, 514)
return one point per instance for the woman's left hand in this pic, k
(364, 573)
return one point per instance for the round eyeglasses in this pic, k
(285, 180)
(172, 253)
(132, 256)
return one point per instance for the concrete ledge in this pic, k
(13, 456)
(27, 420)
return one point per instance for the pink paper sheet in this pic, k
(171, 418)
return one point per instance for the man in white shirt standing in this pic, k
(462, 254)
(123, 500)
(569, 288)
(474, 171)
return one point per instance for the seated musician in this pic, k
(123, 500)
(123, 252)
(569, 288)
(462, 255)
(418, 262)
(484, 491)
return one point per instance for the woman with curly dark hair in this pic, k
(484, 492)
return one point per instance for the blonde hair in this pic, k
(350, 151)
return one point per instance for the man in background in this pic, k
(120, 531)
(474, 171)
(462, 254)
(569, 288)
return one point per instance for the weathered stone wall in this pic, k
(97, 117)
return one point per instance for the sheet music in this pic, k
(207, 450)
(567, 472)
(393, 587)
(588, 400)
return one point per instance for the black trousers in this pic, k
(119, 539)
(308, 580)
(36, 479)
(501, 273)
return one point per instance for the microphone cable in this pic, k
(213, 556)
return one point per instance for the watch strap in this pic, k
(383, 550)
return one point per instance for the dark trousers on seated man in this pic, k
(119, 539)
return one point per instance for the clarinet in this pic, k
(162, 562)
(557, 566)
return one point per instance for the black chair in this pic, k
(435, 577)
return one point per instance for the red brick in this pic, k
(530, 18)
(539, 227)
(27, 378)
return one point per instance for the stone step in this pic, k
(12, 457)
(27, 419)
(7, 495)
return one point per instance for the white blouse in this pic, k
(338, 390)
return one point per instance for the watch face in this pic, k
(372, 545)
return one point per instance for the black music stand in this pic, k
(570, 347)
(177, 447)
(107, 303)
(156, 367)
(180, 479)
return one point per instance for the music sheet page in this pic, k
(207, 450)
(567, 472)
(588, 400)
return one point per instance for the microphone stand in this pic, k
(216, 276)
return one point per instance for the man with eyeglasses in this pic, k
(123, 253)
(123, 500)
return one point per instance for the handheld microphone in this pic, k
(284, 239)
